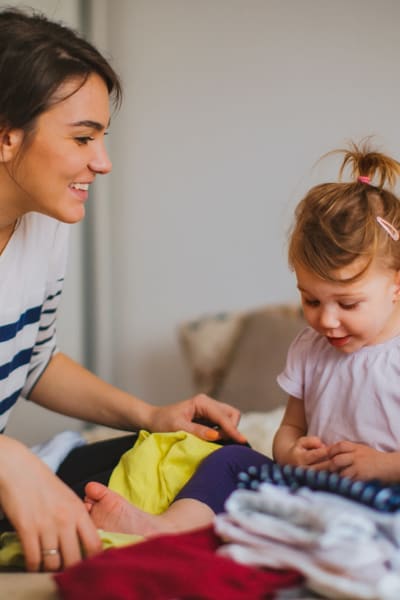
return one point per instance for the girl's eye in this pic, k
(83, 140)
(312, 303)
(349, 306)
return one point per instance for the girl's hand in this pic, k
(309, 451)
(180, 416)
(46, 514)
(358, 461)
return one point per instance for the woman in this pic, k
(54, 113)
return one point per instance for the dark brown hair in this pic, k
(37, 56)
(336, 223)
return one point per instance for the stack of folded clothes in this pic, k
(342, 535)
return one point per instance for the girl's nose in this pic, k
(328, 318)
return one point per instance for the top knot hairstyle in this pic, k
(336, 223)
(37, 56)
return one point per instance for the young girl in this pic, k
(342, 372)
(54, 112)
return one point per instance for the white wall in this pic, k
(227, 106)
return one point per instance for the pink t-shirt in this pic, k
(352, 397)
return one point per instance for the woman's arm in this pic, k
(291, 444)
(68, 388)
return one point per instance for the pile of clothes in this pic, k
(342, 535)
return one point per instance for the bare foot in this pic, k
(112, 512)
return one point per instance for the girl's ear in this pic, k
(10, 143)
(396, 296)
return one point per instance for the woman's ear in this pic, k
(10, 143)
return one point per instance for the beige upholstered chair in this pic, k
(236, 357)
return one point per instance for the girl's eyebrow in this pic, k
(91, 124)
(343, 295)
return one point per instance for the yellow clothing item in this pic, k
(149, 476)
(152, 473)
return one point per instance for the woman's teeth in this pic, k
(80, 186)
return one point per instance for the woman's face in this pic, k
(66, 152)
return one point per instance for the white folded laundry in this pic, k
(344, 549)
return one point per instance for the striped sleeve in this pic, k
(15, 356)
(46, 344)
(32, 271)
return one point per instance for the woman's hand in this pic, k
(46, 514)
(180, 416)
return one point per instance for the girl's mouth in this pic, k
(338, 342)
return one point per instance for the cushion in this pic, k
(260, 428)
(208, 343)
(259, 356)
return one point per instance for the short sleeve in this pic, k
(291, 380)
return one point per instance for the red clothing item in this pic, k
(182, 566)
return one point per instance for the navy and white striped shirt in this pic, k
(32, 268)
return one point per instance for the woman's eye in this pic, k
(85, 139)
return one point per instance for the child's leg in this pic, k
(217, 476)
(111, 512)
(195, 506)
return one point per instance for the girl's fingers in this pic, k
(311, 442)
(321, 466)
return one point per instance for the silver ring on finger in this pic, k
(50, 552)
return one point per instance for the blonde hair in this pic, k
(336, 223)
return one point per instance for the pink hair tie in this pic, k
(364, 179)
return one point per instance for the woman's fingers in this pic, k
(51, 554)
(31, 551)
(89, 536)
(77, 535)
(70, 548)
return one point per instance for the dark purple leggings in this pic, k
(217, 475)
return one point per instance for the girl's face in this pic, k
(352, 315)
(66, 152)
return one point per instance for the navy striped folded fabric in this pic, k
(373, 493)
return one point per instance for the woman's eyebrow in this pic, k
(91, 124)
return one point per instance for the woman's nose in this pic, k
(100, 162)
